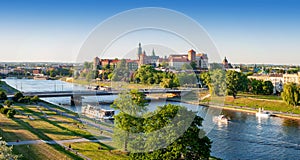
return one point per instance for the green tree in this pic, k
(121, 72)
(186, 66)
(193, 65)
(179, 137)
(87, 65)
(131, 105)
(3, 95)
(7, 152)
(91, 75)
(10, 113)
(235, 81)
(216, 82)
(53, 73)
(17, 96)
(8, 103)
(291, 94)
(268, 88)
(34, 99)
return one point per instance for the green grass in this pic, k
(261, 103)
(55, 130)
(42, 151)
(269, 97)
(90, 149)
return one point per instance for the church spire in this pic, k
(153, 53)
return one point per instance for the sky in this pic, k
(245, 31)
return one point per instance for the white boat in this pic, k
(94, 112)
(262, 113)
(221, 119)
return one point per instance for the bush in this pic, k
(1, 106)
(4, 110)
(11, 113)
(8, 103)
(3, 95)
(34, 99)
(25, 99)
(17, 96)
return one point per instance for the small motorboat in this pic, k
(262, 113)
(221, 118)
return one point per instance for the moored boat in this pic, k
(262, 113)
(221, 118)
(93, 112)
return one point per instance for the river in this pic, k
(244, 137)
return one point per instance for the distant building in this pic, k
(291, 78)
(132, 65)
(96, 63)
(176, 60)
(143, 58)
(226, 64)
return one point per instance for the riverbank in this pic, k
(241, 108)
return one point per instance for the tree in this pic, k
(178, 137)
(17, 96)
(121, 72)
(3, 95)
(216, 82)
(34, 99)
(91, 75)
(87, 65)
(8, 103)
(291, 94)
(10, 113)
(193, 65)
(7, 152)
(53, 73)
(268, 88)
(131, 105)
(186, 66)
(235, 81)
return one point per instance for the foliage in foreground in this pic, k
(170, 132)
(291, 94)
(6, 152)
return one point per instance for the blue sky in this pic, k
(245, 31)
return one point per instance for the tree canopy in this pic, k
(235, 81)
(170, 132)
(291, 94)
(6, 152)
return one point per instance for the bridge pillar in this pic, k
(76, 100)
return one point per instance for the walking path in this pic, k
(57, 142)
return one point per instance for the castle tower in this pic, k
(191, 55)
(139, 51)
(153, 53)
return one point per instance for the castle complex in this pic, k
(175, 61)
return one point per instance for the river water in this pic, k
(244, 137)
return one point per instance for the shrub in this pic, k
(1, 106)
(25, 99)
(4, 110)
(34, 99)
(3, 95)
(11, 113)
(8, 103)
(17, 96)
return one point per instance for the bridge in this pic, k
(76, 95)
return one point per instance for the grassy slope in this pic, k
(55, 127)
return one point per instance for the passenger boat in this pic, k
(262, 113)
(93, 112)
